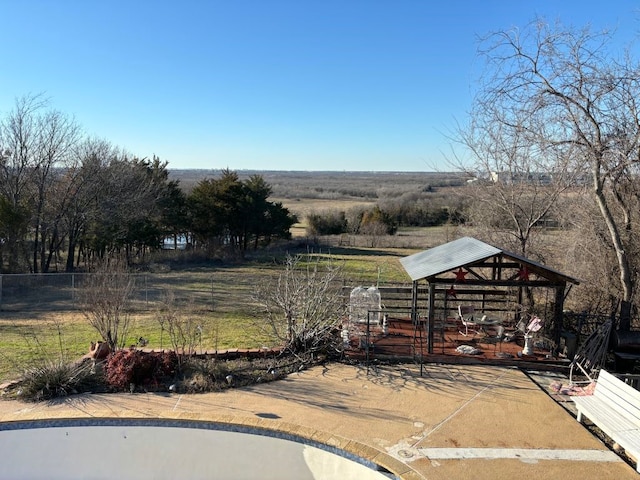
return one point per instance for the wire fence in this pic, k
(63, 291)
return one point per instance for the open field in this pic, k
(219, 297)
(320, 192)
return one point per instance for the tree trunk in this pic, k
(626, 281)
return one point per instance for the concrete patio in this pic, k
(454, 421)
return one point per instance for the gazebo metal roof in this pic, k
(463, 252)
(446, 257)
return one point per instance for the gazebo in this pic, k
(468, 270)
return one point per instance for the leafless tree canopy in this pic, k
(560, 102)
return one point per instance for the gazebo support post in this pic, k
(430, 315)
(416, 323)
(558, 316)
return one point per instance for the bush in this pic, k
(328, 223)
(126, 369)
(105, 301)
(204, 375)
(55, 379)
(303, 306)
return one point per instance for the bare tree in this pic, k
(19, 133)
(565, 92)
(83, 185)
(36, 145)
(304, 306)
(105, 301)
(184, 330)
(585, 245)
(374, 231)
(514, 186)
(58, 137)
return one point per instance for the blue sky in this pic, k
(269, 84)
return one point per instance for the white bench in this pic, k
(614, 407)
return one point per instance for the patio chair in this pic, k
(465, 315)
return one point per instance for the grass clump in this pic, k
(53, 379)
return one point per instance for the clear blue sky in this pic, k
(268, 84)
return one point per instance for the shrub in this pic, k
(127, 368)
(105, 300)
(185, 331)
(204, 375)
(55, 379)
(328, 223)
(303, 306)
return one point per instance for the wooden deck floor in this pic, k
(402, 342)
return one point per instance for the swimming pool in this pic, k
(168, 449)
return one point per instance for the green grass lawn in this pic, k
(26, 342)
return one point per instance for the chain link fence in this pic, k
(63, 291)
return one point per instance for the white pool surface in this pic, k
(165, 450)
